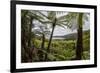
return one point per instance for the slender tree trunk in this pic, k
(42, 48)
(29, 40)
(79, 49)
(30, 33)
(48, 48)
(43, 41)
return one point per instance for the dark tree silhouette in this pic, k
(79, 49)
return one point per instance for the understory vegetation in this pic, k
(62, 49)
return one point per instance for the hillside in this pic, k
(72, 36)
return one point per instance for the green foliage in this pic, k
(86, 41)
(61, 50)
(86, 55)
(37, 43)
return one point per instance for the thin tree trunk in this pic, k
(29, 40)
(30, 33)
(48, 48)
(43, 41)
(79, 49)
(42, 48)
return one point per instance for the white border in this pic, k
(20, 65)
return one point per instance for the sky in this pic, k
(59, 31)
